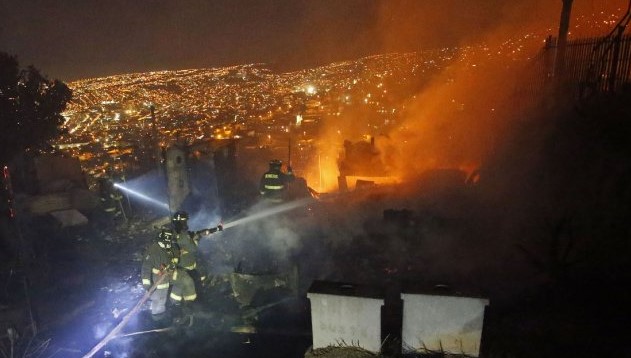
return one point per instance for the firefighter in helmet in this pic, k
(159, 267)
(110, 197)
(188, 241)
(273, 184)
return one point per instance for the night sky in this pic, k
(72, 39)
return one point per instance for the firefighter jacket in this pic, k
(187, 242)
(273, 184)
(158, 261)
(110, 200)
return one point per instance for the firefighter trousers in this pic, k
(159, 300)
(183, 288)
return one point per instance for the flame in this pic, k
(352, 181)
(322, 173)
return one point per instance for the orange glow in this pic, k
(118, 151)
(451, 121)
(351, 181)
(322, 174)
(86, 156)
(455, 121)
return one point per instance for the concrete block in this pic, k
(346, 313)
(42, 204)
(452, 324)
(69, 217)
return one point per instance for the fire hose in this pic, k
(114, 332)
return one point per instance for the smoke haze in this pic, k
(456, 118)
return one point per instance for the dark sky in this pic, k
(71, 39)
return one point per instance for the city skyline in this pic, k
(71, 40)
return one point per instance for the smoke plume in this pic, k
(456, 118)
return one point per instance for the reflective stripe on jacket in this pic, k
(272, 184)
(156, 259)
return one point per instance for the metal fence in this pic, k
(600, 65)
(592, 65)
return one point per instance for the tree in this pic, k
(30, 108)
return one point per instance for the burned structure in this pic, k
(191, 178)
(177, 173)
(362, 163)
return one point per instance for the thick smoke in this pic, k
(259, 246)
(455, 120)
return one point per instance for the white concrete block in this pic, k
(452, 324)
(343, 313)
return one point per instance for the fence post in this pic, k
(615, 58)
(564, 25)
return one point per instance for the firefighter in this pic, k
(188, 242)
(161, 259)
(110, 197)
(273, 184)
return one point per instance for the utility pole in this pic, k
(564, 26)
(156, 140)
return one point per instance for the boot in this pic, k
(183, 316)
(162, 320)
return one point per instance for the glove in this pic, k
(167, 268)
(215, 229)
(146, 284)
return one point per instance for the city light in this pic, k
(310, 90)
(108, 112)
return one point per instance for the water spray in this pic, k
(142, 196)
(269, 212)
(281, 208)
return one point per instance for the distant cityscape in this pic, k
(109, 125)
(109, 120)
